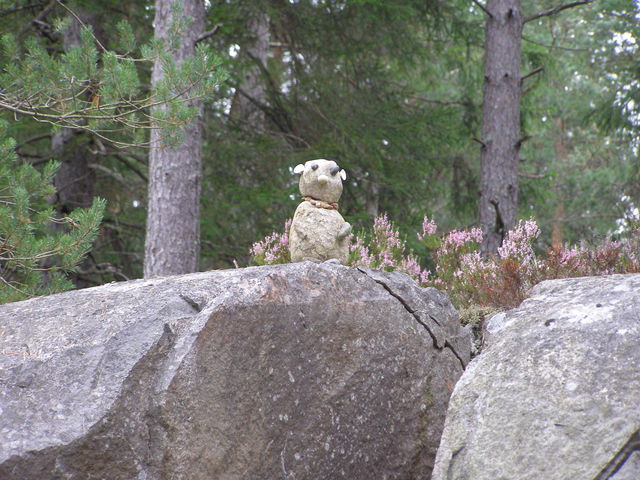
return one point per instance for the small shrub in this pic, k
(385, 250)
(273, 249)
(498, 282)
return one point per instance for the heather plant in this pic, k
(452, 259)
(497, 282)
(273, 249)
(502, 280)
(619, 256)
(383, 249)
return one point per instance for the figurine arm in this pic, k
(344, 231)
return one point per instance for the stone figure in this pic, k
(318, 232)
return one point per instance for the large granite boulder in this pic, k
(306, 371)
(556, 394)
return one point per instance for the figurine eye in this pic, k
(314, 166)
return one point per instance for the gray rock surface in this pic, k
(556, 395)
(305, 371)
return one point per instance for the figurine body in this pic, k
(318, 231)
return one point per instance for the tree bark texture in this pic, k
(251, 92)
(557, 229)
(172, 244)
(501, 123)
(75, 180)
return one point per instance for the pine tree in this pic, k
(27, 242)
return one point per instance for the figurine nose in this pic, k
(322, 179)
(335, 170)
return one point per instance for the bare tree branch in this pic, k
(476, 139)
(208, 34)
(531, 74)
(569, 49)
(532, 175)
(41, 16)
(74, 15)
(9, 11)
(553, 11)
(522, 140)
(132, 167)
(438, 101)
(35, 138)
(482, 7)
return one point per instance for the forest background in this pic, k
(391, 90)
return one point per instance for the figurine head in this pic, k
(321, 179)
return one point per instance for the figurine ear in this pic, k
(343, 175)
(299, 169)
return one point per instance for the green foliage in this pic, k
(575, 169)
(33, 258)
(88, 87)
(392, 90)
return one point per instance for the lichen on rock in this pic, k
(291, 371)
(554, 394)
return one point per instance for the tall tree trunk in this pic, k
(372, 196)
(75, 180)
(500, 123)
(172, 244)
(557, 230)
(251, 93)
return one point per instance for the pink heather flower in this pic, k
(456, 240)
(424, 276)
(611, 243)
(257, 249)
(274, 247)
(410, 266)
(364, 258)
(384, 233)
(518, 242)
(429, 227)
(568, 257)
(631, 249)
(386, 259)
(472, 262)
